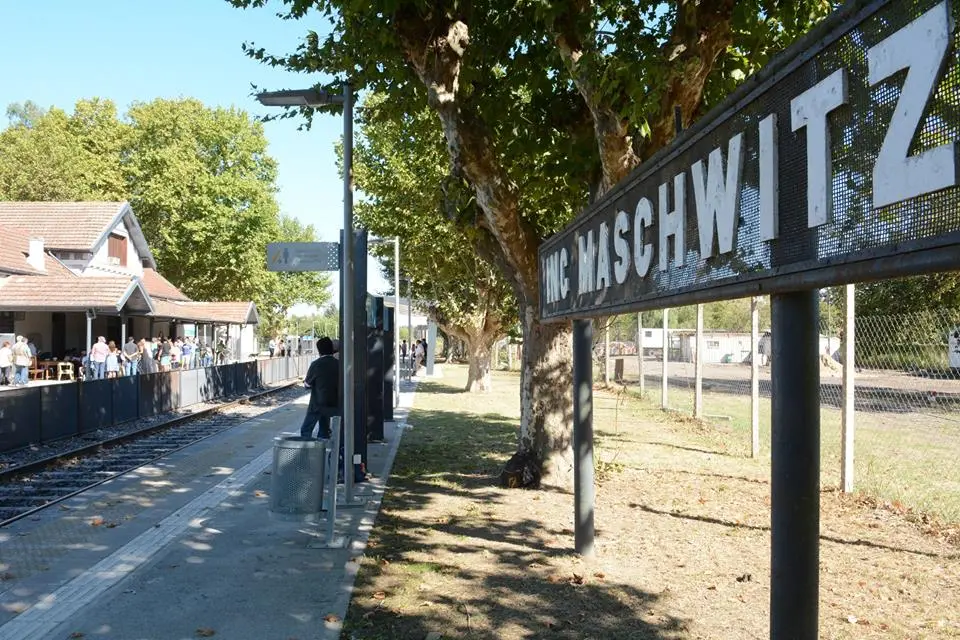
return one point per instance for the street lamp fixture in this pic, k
(298, 98)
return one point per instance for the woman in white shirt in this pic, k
(6, 363)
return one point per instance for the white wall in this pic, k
(101, 257)
(37, 326)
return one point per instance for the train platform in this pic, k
(186, 548)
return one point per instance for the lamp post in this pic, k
(318, 98)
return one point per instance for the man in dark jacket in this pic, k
(323, 380)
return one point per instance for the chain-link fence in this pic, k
(906, 383)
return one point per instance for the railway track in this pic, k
(29, 488)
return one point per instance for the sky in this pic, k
(56, 52)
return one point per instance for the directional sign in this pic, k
(303, 256)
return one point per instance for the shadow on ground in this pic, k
(453, 553)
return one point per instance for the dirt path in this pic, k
(683, 540)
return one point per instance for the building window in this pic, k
(713, 344)
(648, 333)
(6, 322)
(117, 250)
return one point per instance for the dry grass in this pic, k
(904, 459)
(683, 539)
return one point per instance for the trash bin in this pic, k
(296, 485)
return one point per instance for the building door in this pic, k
(114, 329)
(58, 339)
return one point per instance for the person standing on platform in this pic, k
(98, 358)
(323, 380)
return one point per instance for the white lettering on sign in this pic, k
(603, 257)
(564, 265)
(642, 219)
(557, 282)
(588, 260)
(673, 221)
(809, 110)
(769, 179)
(621, 247)
(612, 248)
(718, 197)
(921, 48)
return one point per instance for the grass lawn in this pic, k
(906, 459)
(682, 545)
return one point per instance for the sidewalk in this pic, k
(200, 558)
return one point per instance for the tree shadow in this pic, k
(859, 542)
(499, 568)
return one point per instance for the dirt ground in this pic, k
(683, 539)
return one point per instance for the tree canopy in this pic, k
(543, 105)
(199, 179)
(400, 165)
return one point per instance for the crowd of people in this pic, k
(105, 359)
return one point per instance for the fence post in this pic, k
(849, 368)
(640, 353)
(664, 404)
(606, 353)
(698, 368)
(754, 377)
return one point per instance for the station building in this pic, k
(72, 271)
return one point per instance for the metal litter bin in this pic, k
(296, 485)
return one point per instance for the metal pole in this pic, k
(795, 467)
(640, 353)
(666, 356)
(698, 368)
(583, 491)
(409, 331)
(606, 353)
(849, 368)
(754, 377)
(333, 468)
(396, 318)
(349, 295)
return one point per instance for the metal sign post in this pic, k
(836, 164)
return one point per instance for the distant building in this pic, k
(71, 271)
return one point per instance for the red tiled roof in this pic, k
(71, 226)
(14, 245)
(223, 312)
(60, 288)
(159, 287)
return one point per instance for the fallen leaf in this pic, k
(331, 617)
(206, 632)
(576, 579)
(599, 575)
(380, 595)
(260, 494)
(555, 579)
(745, 578)
(76, 634)
(111, 525)
(96, 521)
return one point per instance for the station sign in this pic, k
(837, 163)
(303, 256)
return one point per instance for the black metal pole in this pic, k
(583, 491)
(795, 467)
